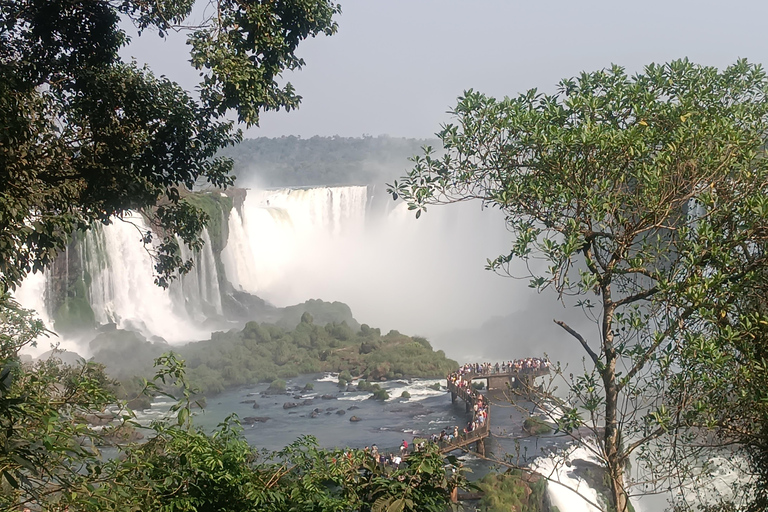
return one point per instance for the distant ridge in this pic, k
(295, 162)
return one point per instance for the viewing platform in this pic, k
(460, 386)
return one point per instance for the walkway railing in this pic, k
(470, 396)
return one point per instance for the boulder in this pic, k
(341, 412)
(256, 405)
(327, 397)
(248, 401)
(313, 415)
(250, 420)
(290, 405)
(355, 419)
(352, 407)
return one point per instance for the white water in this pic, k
(395, 272)
(123, 291)
(333, 243)
(568, 492)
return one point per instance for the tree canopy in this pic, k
(643, 200)
(85, 137)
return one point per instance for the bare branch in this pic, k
(581, 339)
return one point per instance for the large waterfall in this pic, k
(348, 244)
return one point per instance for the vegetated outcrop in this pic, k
(263, 352)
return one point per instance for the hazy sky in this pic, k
(396, 66)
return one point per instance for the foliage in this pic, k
(277, 386)
(265, 352)
(87, 137)
(512, 490)
(536, 426)
(645, 197)
(405, 394)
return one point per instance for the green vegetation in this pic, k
(217, 207)
(646, 196)
(513, 490)
(265, 352)
(536, 426)
(436, 386)
(293, 161)
(405, 394)
(478, 385)
(87, 136)
(276, 386)
(380, 394)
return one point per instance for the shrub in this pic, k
(405, 394)
(478, 385)
(380, 394)
(436, 386)
(536, 426)
(309, 386)
(423, 342)
(342, 383)
(277, 386)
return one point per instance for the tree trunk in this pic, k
(614, 459)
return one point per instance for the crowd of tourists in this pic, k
(518, 365)
(479, 406)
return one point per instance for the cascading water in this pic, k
(283, 228)
(122, 289)
(348, 244)
(351, 245)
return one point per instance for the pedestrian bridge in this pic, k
(522, 380)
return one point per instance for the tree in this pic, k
(86, 137)
(645, 196)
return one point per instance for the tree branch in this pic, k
(581, 339)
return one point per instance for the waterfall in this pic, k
(349, 244)
(280, 229)
(357, 246)
(122, 289)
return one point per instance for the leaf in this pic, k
(397, 506)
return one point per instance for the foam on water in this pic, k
(566, 490)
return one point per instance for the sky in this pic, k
(396, 67)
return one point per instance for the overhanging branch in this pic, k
(581, 339)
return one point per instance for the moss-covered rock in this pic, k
(74, 314)
(536, 426)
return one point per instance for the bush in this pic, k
(405, 394)
(277, 386)
(536, 426)
(478, 385)
(423, 342)
(436, 386)
(342, 383)
(309, 386)
(380, 394)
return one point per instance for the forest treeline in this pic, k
(293, 161)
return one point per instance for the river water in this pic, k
(385, 424)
